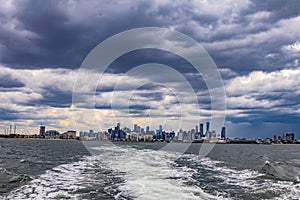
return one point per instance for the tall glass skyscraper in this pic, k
(201, 131)
(207, 127)
(159, 133)
(223, 132)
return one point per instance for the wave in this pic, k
(12, 177)
(247, 183)
(114, 172)
(75, 180)
(23, 178)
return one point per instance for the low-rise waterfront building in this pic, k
(52, 134)
(69, 135)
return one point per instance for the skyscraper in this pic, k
(201, 130)
(117, 133)
(207, 127)
(138, 129)
(135, 128)
(223, 133)
(147, 129)
(42, 131)
(159, 133)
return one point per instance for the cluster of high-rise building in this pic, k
(200, 133)
(92, 135)
(117, 133)
(286, 138)
(139, 133)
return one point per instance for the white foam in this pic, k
(247, 179)
(60, 182)
(149, 175)
(294, 191)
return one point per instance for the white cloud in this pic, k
(264, 82)
(39, 80)
(286, 29)
(260, 15)
(21, 96)
(226, 73)
(8, 8)
(274, 92)
(292, 48)
(249, 102)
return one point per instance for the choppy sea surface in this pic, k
(59, 169)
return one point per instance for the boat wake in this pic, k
(114, 172)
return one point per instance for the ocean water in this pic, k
(57, 169)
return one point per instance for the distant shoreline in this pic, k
(35, 138)
(115, 141)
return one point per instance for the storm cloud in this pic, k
(255, 45)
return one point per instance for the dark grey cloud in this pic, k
(8, 82)
(53, 98)
(142, 56)
(56, 43)
(138, 107)
(279, 8)
(139, 57)
(8, 114)
(260, 115)
(154, 96)
(59, 40)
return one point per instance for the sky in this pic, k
(254, 44)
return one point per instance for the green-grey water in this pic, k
(61, 169)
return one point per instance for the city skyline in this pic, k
(254, 44)
(192, 134)
(138, 134)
